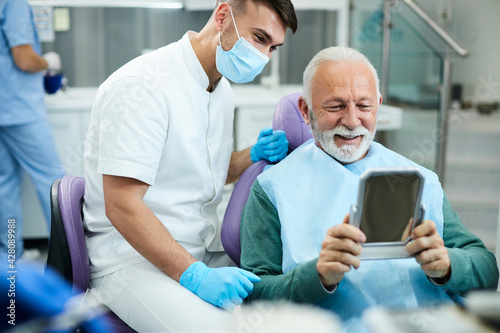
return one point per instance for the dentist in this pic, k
(157, 156)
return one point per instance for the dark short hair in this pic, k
(284, 8)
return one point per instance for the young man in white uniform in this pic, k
(157, 156)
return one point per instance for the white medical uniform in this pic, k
(154, 121)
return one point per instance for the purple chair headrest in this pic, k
(287, 117)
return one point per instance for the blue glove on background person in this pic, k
(224, 287)
(271, 145)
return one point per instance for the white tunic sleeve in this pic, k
(132, 130)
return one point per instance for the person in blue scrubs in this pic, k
(26, 141)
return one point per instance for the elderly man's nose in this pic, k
(350, 118)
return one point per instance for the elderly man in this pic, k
(295, 234)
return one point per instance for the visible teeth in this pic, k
(349, 136)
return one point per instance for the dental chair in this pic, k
(67, 247)
(287, 117)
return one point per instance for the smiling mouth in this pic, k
(348, 137)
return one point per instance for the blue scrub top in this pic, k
(21, 93)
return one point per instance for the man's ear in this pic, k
(221, 13)
(304, 109)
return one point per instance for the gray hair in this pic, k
(334, 54)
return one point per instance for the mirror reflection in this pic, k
(388, 207)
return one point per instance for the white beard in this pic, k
(346, 153)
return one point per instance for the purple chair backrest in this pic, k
(70, 199)
(288, 118)
(69, 194)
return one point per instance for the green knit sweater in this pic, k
(472, 265)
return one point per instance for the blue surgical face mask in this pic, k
(242, 63)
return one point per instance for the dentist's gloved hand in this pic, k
(271, 145)
(224, 287)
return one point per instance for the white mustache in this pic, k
(344, 131)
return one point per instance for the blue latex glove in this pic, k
(271, 145)
(224, 287)
(37, 294)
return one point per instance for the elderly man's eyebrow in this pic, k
(335, 99)
(365, 99)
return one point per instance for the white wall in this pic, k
(477, 25)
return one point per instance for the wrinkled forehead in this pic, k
(344, 78)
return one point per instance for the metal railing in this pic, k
(448, 38)
(437, 36)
